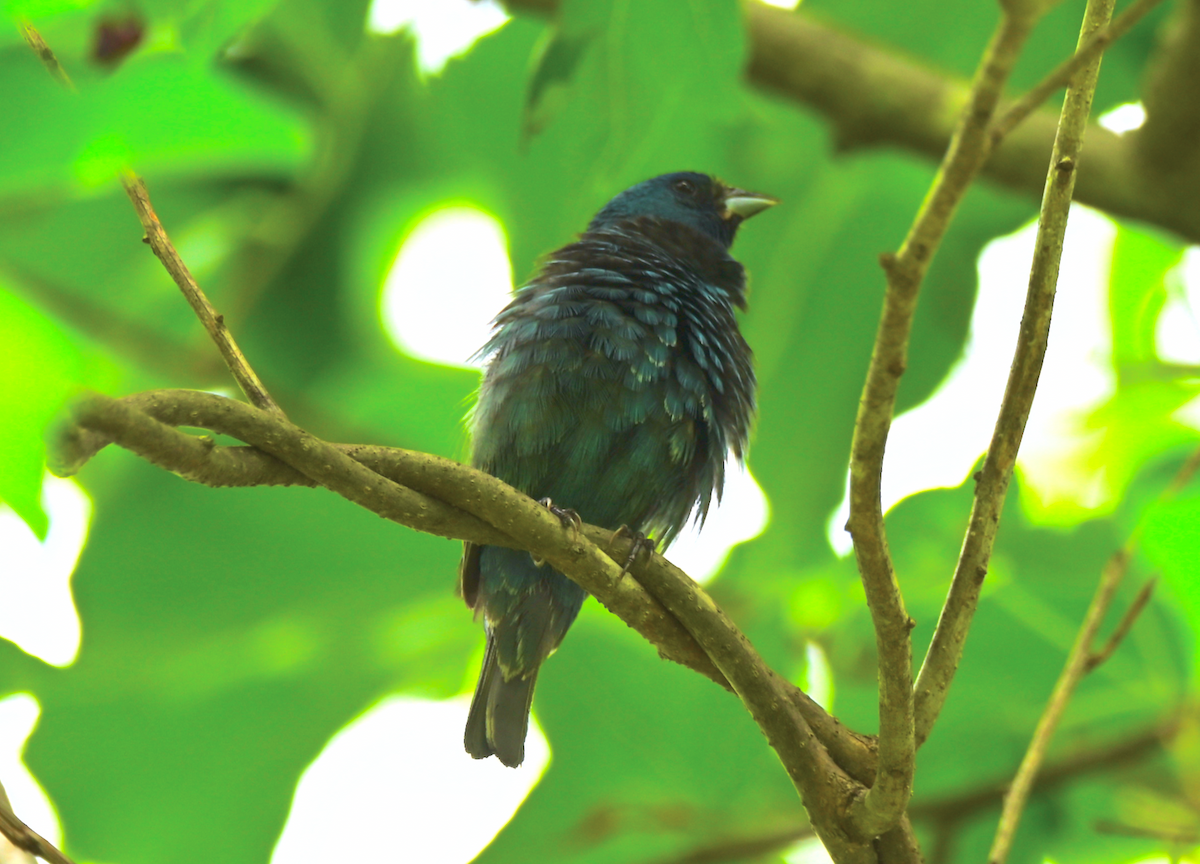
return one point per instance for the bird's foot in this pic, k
(638, 543)
(569, 518)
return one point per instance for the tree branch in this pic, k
(992, 481)
(1166, 144)
(46, 54)
(1098, 658)
(143, 423)
(286, 455)
(905, 270)
(874, 97)
(1095, 45)
(946, 814)
(443, 497)
(1082, 659)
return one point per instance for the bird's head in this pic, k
(696, 200)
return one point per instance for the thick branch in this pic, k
(143, 424)
(1166, 144)
(875, 97)
(443, 497)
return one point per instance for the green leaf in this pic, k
(39, 368)
(1137, 293)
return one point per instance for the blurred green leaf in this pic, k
(228, 634)
(39, 368)
(1137, 293)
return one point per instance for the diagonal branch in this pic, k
(443, 497)
(455, 501)
(25, 838)
(1081, 660)
(1087, 52)
(156, 238)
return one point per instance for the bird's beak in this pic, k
(742, 204)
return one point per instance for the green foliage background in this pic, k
(229, 633)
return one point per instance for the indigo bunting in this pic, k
(616, 384)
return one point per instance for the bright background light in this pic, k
(396, 785)
(18, 716)
(443, 29)
(438, 303)
(38, 612)
(937, 443)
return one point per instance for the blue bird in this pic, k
(616, 384)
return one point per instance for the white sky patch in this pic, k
(18, 716)
(443, 28)
(783, 4)
(451, 276)
(1124, 118)
(742, 515)
(936, 444)
(389, 785)
(38, 613)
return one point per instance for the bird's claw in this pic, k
(638, 543)
(569, 518)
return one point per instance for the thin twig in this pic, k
(1052, 225)
(1060, 77)
(1080, 662)
(156, 237)
(46, 55)
(1074, 670)
(1097, 658)
(24, 837)
(945, 651)
(884, 803)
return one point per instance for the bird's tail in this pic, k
(499, 716)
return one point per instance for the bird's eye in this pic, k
(685, 187)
